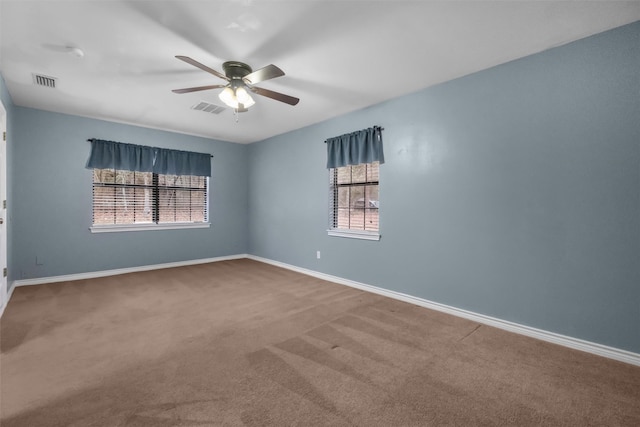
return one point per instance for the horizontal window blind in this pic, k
(354, 197)
(182, 198)
(128, 197)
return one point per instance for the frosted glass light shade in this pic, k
(228, 97)
(233, 97)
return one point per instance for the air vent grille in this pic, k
(208, 107)
(46, 81)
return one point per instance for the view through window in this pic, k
(127, 197)
(354, 197)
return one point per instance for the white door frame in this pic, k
(3, 210)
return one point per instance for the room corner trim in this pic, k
(563, 340)
(6, 303)
(104, 273)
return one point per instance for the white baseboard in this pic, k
(104, 273)
(563, 340)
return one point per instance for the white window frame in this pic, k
(117, 228)
(346, 232)
(103, 228)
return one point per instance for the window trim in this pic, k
(116, 228)
(354, 234)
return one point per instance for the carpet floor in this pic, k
(243, 343)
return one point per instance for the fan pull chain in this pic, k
(237, 116)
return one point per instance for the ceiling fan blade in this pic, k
(202, 66)
(264, 73)
(195, 89)
(275, 95)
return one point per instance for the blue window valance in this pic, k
(363, 146)
(140, 158)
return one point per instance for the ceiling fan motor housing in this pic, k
(236, 69)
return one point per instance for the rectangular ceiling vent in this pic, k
(41, 80)
(208, 107)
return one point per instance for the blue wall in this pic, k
(513, 192)
(53, 193)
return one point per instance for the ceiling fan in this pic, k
(240, 81)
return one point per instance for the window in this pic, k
(140, 200)
(354, 160)
(137, 187)
(354, 201)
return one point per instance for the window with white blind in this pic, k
(129, 200)
(354, 201)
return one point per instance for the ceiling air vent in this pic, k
(208, 108)
(41, 80)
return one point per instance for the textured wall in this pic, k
(513, 192)
(52, 203)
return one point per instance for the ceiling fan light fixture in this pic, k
(228, 97)
(235, 97)
(243, 96)
(248, 103)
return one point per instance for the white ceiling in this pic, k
(338, 56)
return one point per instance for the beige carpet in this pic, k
(241, 343)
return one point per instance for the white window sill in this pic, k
(146, 227)
(354, 234)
